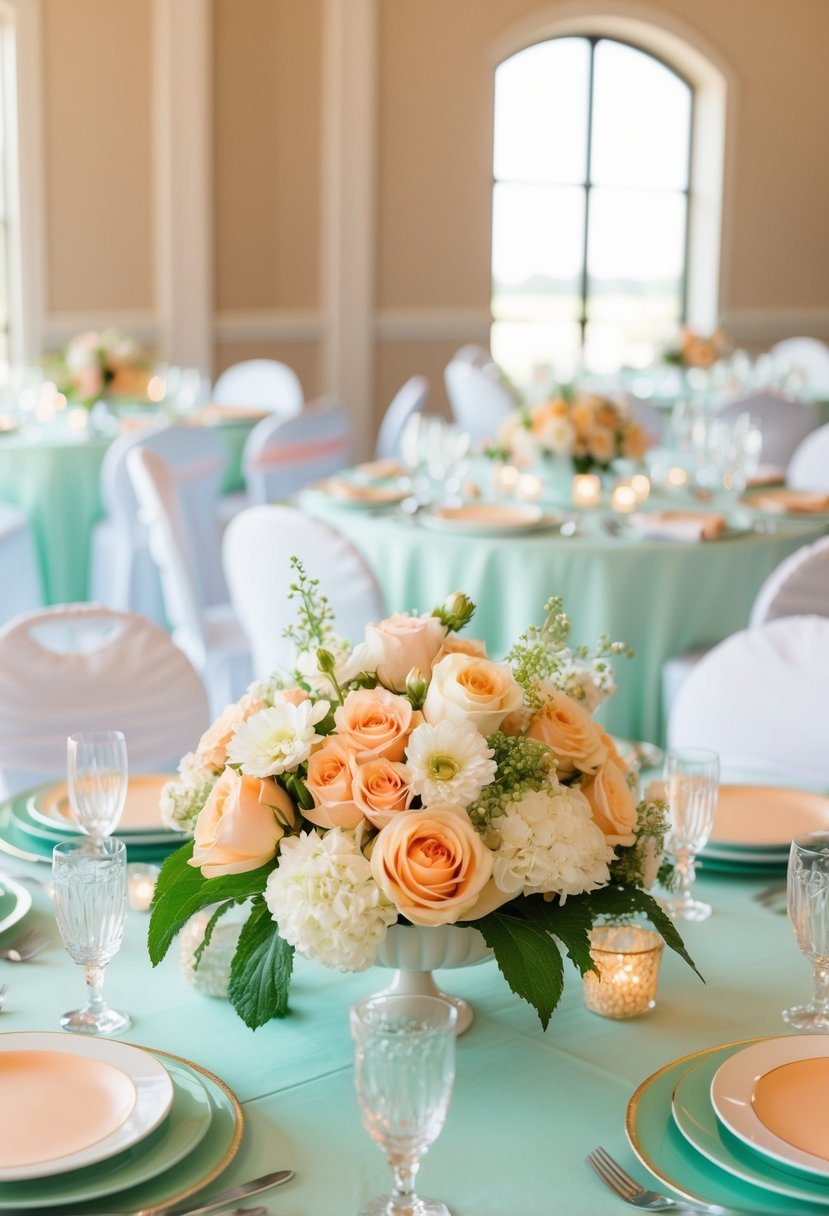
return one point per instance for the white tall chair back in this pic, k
(282, 456)
(798, 587)
(21, 589)
(408, 400)
(784, 423)
(257, 547)
(264, 384)
(759, 699)
(473, 353)
(809, 466)
(84, 667)
(479, 403)
(809, 356)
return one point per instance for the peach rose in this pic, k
(612, 750)
(374, 722)
(601, 444)
(635, 442)
(569, 731)
(402, 642)
(467, 689)
(613, 804)
(291, 696)
(212, 747)
(454, 644)
(329, 784)
(381, 790)
(431, 864)
(241, 824)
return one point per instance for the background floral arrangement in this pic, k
(100, 364)
(411, 779)
(592, 431)
(695, 350)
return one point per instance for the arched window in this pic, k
(591, 204)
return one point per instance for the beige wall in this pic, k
(433, 158)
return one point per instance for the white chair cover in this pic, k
(210, 635)
(479, 403)
(84, 667)
(798, 587)
(282, 456)
(123, 573)
(256, 550)
(408, 400)
(759, 699)
(20, 586)
(809, 466)
(807, 355)
(784, 423)
(263, 384)
(474, 353)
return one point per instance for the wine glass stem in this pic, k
(404, 1179)
(94, 977)
(820, 980)
(685, 871)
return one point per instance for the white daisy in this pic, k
(276, 740)
(449, 762)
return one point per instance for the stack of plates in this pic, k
(489, 519)
(33, 822)
(754, 826)
(15, 902)
(85, 1118)
(745, 1126)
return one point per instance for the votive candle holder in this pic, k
(587, 490)
(627, 958)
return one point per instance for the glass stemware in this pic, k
(90, 893)
(404, 1068)
(692, 777)
(96, 769)
(808, 903)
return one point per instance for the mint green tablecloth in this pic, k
(54, 476)
(527, 1106)
(662, 599)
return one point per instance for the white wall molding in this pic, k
(141, 324)
(269, 325)
(348, 212)
(183, 181)
(433, 325)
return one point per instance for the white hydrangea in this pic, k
(182, 800)
(449, 762)
(326, 902)
(548, 842)
(278, 739)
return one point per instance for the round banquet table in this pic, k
(661, 598)
(54, 475)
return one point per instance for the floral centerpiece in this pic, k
(589, 430)
(411, 779)
(103, 364)
(697, 350)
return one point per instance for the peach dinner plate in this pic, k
(67, 1103)
(350, 494)
(766, 817)
(806, 502)
(487, 517)
(141, 808)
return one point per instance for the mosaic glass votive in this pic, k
(627, 958)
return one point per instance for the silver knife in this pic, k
(225, 1199)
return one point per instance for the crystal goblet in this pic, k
(404, 1068)
(90, 893)
(808, 903)
(96, 770)
(692, 777)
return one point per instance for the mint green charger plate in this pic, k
(664, 1151)
(20, 837)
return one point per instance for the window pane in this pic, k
(636, 253)
(537, 241)
(541, 113)
(641, 120)
(536, 356)
(636, 341)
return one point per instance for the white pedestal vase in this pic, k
(415, 951)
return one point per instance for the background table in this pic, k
(661, 598)
(527, 1106)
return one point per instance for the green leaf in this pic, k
(616, 901)
(182, 890)
(260, 974)
(528, 959)
(570, 923)
(298, 790)
(208, 930)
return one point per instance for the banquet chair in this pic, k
(20, 584)
(759, 700)
(783, 422)
(283, 455)
(808, 356)
(208, 633)
(79, 667)
(808, 468)
(256, 550)
(408, 400)
(480, 404)
(474, 354)
(123, 574)
(262, 384)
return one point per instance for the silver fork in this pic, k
(627, 1188)
(26, 947)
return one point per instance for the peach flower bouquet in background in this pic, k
(589, 430)
(411, 779)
